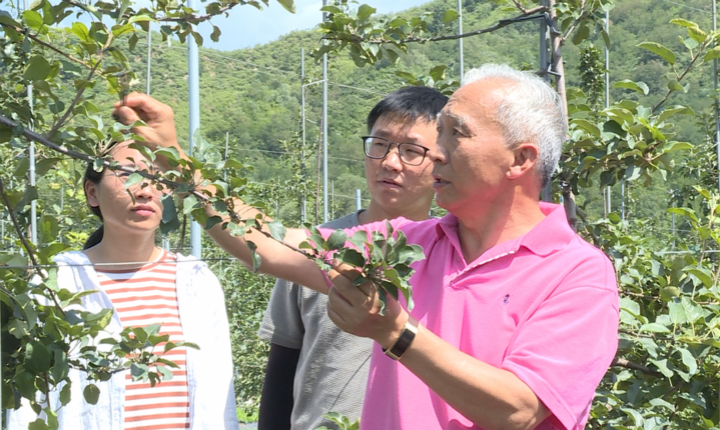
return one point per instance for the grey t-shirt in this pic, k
(333, 366)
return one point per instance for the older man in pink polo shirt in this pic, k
(515, 318)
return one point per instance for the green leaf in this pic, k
(450, 15)
(697, 34)
(654, 328)
(170, 220)
(165, 372)
(18, 328)
(48, 228)
(676, 312)
(581, 34)
(640, 87)
(37, 357)
(660, 50)
(364, 12)
(693, 311)
(669, 293)
(140, 18)
(60, 367)
(91, 394)
(683, 23)
(256, 259)
(587, 126)
(712, 54)
(66, 393)
(289, 5)
(674, 85)
(688, 360)
(681, 110)
(337, 240)
(81, 31)
(215, 36)
(277, 230)
(33, 19)
(633, 172)
(119, 30)
(38, 424)
(7, 19)
(101, 318)
(37, 69)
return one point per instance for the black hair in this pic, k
(95, 177)
(408, 105)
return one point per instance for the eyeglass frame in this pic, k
(120, 175)
(389, 148)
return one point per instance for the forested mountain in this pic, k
(254, 94)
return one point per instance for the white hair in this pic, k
(530, 112)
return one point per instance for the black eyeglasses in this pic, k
(409, 153)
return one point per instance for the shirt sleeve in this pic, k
(282, 323)
(563, 351)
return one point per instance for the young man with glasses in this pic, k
(314, 367)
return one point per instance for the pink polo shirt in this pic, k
(543, 306)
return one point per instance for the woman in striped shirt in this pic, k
(147, 285)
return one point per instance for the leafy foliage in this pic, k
(384, 260)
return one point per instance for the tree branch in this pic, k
(25, 243)
(79, 94)
(502, 23)
(679, 78)
(29, 134)
(16, 225)
(46, 45)
(519, 6)
(199, 18)
(621, 362)
(575, 23)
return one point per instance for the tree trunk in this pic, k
(556, 41)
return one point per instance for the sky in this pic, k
(247, 26)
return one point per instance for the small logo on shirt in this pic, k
(506, 300)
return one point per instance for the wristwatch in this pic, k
(402, 343)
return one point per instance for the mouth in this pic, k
(390, 183)
(438, 181)
(143, 209)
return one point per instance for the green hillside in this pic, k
(254, 94)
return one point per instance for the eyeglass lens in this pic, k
(410, 153)
(155, 187)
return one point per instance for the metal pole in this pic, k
(715, 76)
(325, 131)
(358, 202)
(303, 198)
(31, 157)
(227, 140)
(546, 194)
(194, 107)
(149, 53)
(461, 63)
(608, 191)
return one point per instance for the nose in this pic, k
(436, 154)
(392, 159)
(145, 188)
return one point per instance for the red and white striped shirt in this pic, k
(142, 297)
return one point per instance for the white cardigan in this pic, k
(204, 321)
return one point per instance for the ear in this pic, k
(525, 156)
(91, 193)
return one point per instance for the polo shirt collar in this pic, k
(549, 235)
